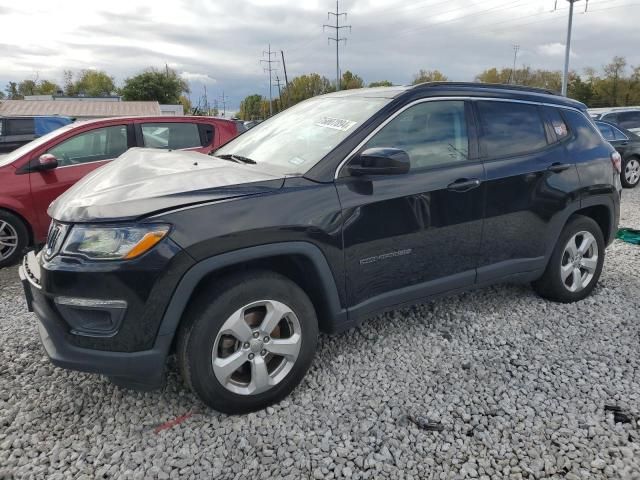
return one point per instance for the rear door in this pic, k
(176, 135)
(529, 183)
(417, 234)
(77, 156)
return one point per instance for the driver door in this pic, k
(77, 156)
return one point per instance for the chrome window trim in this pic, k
(435, 99)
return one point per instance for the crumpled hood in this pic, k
(143, 181)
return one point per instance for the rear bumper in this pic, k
(142, 370)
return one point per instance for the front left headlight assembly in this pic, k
(113, 242)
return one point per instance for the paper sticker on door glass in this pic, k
(560, 128)
(336, 123)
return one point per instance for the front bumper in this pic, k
(138, 369)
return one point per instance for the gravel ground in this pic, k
(491, 384)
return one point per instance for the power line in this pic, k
(269, 69)
(223, 100)
(336, 28)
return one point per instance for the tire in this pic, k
(630, 175)
(564, 284)
(14, 238)
(240, 303)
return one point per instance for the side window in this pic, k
(510, 128)
(607, 131)
(557, 123)
(629, 119)
(584, 130)
(618, 134)
(100, 144)
(432, 133)
(173, 136)
(610, 117)
(19, 126)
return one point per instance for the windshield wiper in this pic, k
(237, 158)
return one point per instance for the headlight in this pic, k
(113, 243)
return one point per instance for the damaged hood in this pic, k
(143, 181)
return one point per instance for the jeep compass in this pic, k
(332, 211)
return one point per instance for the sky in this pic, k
(218, 44)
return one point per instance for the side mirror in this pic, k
(380, 161)
(47, 161)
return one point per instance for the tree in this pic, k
(186, 104)
(429, 76)
(381, 83)
(89, 83)
(349, 81)
(251, 107)
(46, 87)
(164, 86)
(306, 86)
(26, 87)
(12, 91)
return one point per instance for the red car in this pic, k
(35, 174)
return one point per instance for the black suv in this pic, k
(330, 212)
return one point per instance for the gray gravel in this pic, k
(491, 384)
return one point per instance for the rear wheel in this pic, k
(630, 176)
(576, 262)
(14, 238)
(248, 343)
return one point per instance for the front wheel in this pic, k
(576, 262)
(248, 343)
(630, 176)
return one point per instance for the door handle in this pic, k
(464, 184)
(558, 167)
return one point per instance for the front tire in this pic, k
(576, 263)
(630, 176)
(14, 238)
(248, 342)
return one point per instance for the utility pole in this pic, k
(206, 101)
(286, 79)
(337, 27)
(269, 69)
(279, 92)
(516, 49)
(567, 53)
(223, 100)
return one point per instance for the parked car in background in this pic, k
(17, 131)
(336, 209)
(624, 117)
(35, 174)
(628, 145)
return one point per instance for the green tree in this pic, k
(164, 86)
(429, 76)
(306, 86)
(12, 91)
(381, 83)
(90, 83)
(46, 87)
(350, 80)
(251, 107)
(186, 104)
(26, 87)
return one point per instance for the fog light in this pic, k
(92, 317)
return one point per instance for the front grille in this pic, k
(55, 237)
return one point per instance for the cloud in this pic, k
(556, 49)
(198, 77)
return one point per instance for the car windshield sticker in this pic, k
(336, 123)
(297, 160)
(560, 128)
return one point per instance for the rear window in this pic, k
(583, 129)
(510, 128)
(18, 126)
(607, 131)
(172, 136)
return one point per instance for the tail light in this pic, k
(616, 160)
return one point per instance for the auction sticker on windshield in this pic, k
(336, 123)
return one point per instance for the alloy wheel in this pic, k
(632, 171)
(8, 240)
(579, 261)
(256, 347)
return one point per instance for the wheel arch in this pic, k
(302, 262)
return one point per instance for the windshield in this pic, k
(295, 140)
(16, 154)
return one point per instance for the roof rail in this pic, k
(500, 86)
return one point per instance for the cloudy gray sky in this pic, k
(219, 43)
